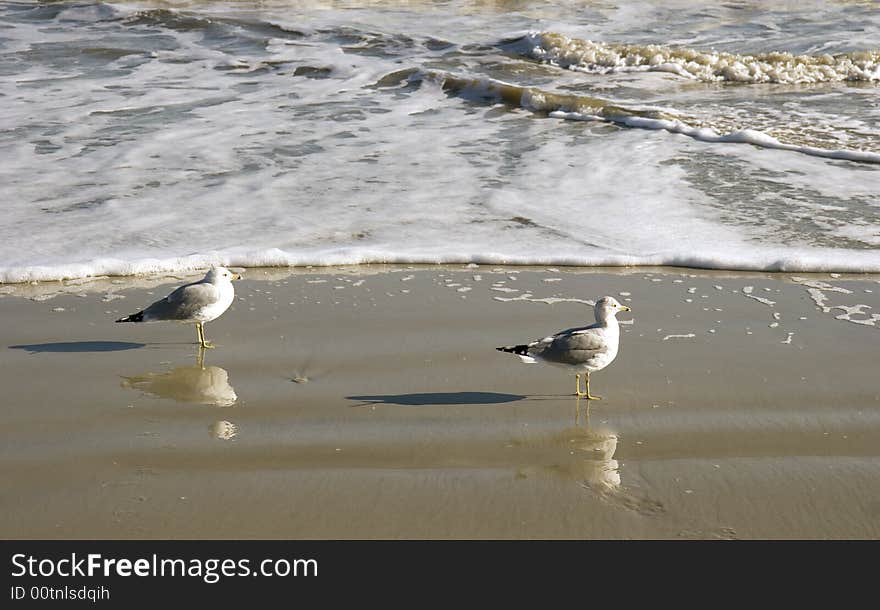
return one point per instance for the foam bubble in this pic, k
(709, 66)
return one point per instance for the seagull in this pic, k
(196, 303)
(588, 348)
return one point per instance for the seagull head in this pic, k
(221, 274)
(608, 307)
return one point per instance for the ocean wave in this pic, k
(752, 259)
(585, 108)
(707, 66)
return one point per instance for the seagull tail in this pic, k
(520, 350)
(135, 317)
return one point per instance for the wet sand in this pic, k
(371, 403)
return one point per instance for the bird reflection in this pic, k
(589, 458)
(198, 384)
(223, 430)
(578, 452)
(585, 454)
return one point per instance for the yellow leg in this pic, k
(202, 342)
(587, 393)
(577, 392)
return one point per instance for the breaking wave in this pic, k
(709, 66)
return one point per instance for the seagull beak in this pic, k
(236, 276)
(625, 308)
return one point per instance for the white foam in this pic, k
(707, 134)
(168, 161)
(546, 300)
(817, 289)
(756, 259)
(709, 66)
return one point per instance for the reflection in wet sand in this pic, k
(199, 384)
(223, 430)
(579, 452)
(585, 454)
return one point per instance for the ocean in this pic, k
(161, 137)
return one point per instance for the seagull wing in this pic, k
(183, 302)
(574, 346)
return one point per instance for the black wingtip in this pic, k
(135, 317)
(520, 350)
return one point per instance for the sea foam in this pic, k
(589, 108)
(708, 66)
(754, 260)
(163, 141)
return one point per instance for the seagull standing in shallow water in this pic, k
(195, 303)
(588, 349)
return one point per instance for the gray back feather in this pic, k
(184, 302)
(572, 346)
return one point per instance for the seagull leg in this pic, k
(587, 394)
(577, 379)
(205, 343)
(202, 342)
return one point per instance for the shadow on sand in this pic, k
(438, 398)
(71, 347)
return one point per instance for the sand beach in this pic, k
(369, 402)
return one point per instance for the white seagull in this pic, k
(588, 348)
(195, 303)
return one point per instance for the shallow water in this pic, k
(165, 136)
